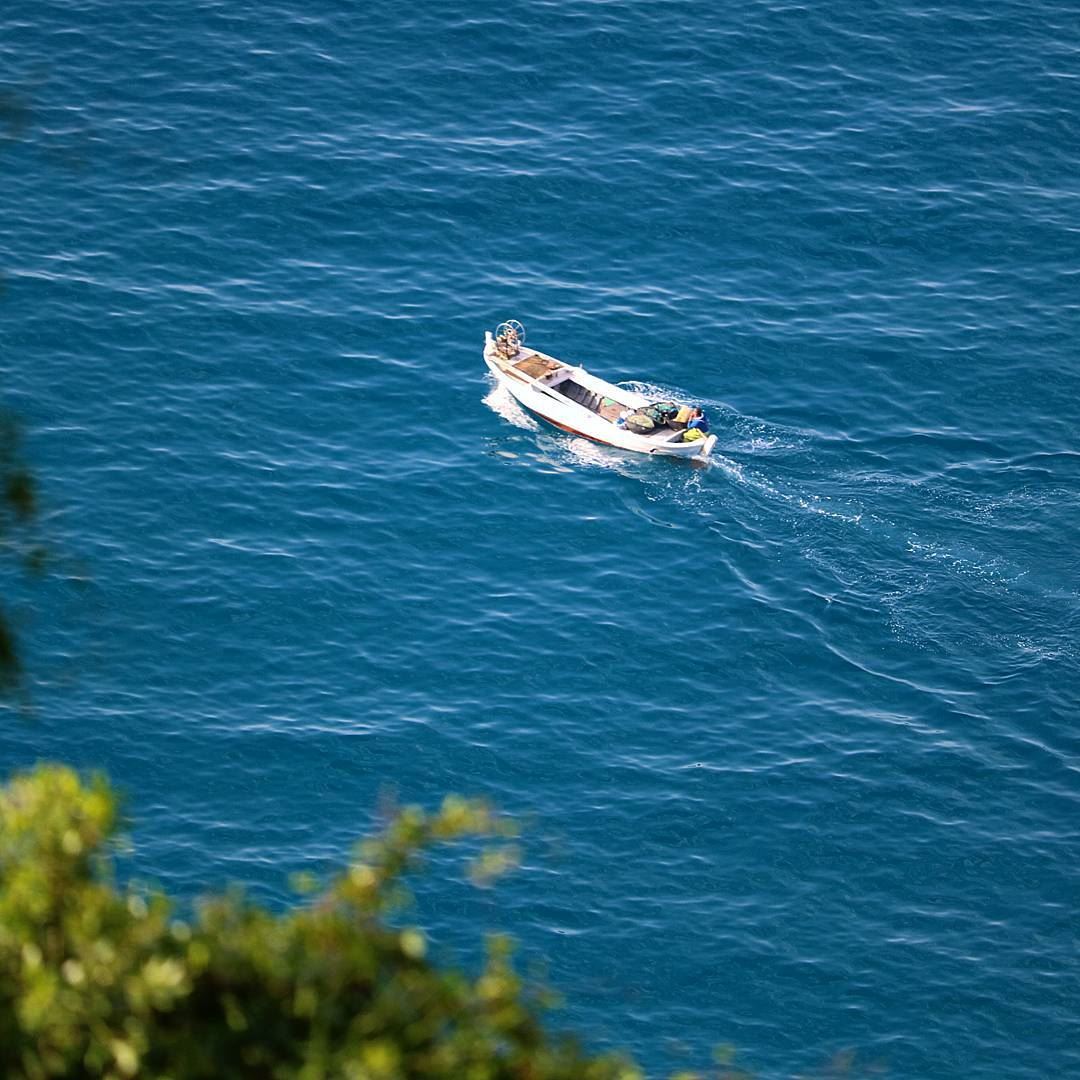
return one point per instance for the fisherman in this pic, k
(685, 415)
(697, 426)
(699, 421)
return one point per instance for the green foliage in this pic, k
(98, 980)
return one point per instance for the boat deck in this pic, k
(536, 366)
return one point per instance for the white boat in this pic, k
(571, 399)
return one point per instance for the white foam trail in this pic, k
(811, 504)
(501, 402)
(704, 491)
(582, 452)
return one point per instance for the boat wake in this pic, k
(501, 402)
(736, 434)
(902, 547)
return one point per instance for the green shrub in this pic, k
(99, 980)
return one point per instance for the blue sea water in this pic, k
(795, 735)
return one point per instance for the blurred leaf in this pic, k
(101, 980)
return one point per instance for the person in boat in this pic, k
(690, 417)
(697, 425)
(698, 421)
